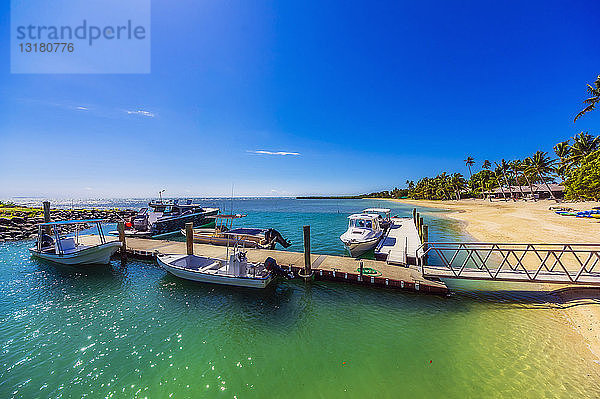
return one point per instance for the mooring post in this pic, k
(421, 228)
(189, 238)
(425, 239)
(307, 269)
(360, 271)
(414, 214)
(46, 215)
(121, 230)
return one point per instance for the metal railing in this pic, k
(534, 262)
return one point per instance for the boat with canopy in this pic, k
(67, 250)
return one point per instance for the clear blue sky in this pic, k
(369, 94)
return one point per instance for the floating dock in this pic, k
(324, 267)
(400, 244)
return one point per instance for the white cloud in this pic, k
(142, 113)
(82, 108)
(263, 152)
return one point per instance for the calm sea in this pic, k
(131, 330)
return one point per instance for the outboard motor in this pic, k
(272, 266)
(273, 236)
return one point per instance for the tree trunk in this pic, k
(547, 186)
(530, 186)
(517, 180)
(501, 188)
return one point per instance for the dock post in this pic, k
(307, 269)
(361, 270)
(121, 230)
(189, 238)
(425, 239)
(46, 215)
(414, 215)
(421, 227)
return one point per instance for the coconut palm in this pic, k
(502, 167)
(592, 101)
(543, 166)
(524, 166)
(514, 167)
(486, 164)
(583, 145)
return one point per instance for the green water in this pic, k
(130, 330)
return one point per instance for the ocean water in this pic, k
(131, 330)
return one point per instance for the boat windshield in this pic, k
(361, 223)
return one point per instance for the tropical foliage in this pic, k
(577, 166)
(590, 103)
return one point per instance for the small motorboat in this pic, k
(235, 270)
(67, 250)
(363, 234)
(224, 235)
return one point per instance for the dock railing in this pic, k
(532, 262)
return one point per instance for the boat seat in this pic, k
(67, 245)
(213, 266)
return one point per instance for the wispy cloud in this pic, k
(263, 152)
(142, 113)
(82, 108)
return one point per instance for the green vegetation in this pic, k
(10, 210)
(590, 103)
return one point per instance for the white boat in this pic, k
(234, 271)
(68, 250)
(363, 234)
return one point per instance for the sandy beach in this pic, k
(526, 222)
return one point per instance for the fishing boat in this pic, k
(67, 250)
(165, 217)
(235, 270)
(363, 234)
(224, 234)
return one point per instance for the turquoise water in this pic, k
(130, 330)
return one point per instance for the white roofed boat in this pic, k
(67, 250)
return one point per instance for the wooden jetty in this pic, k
(400, 244)
(322, 267)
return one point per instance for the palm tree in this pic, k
(470, 161)
(543, 165)
(592, 101)
(583, 145)
(563, 151)
(514, 166)
(524, 167)
(498, 180)
(486, 165)
(503, 166)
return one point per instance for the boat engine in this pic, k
(272, 266)
(273, 236)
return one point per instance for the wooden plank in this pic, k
(326, 267)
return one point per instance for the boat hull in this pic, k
(186, 274)
(175, 224)
(358, 248)
(99, 254)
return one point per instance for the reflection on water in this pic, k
(131, 330)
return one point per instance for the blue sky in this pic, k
(363, 94)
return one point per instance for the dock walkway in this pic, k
(325, 267)
(400, 245)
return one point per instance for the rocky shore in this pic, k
(22, 225)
